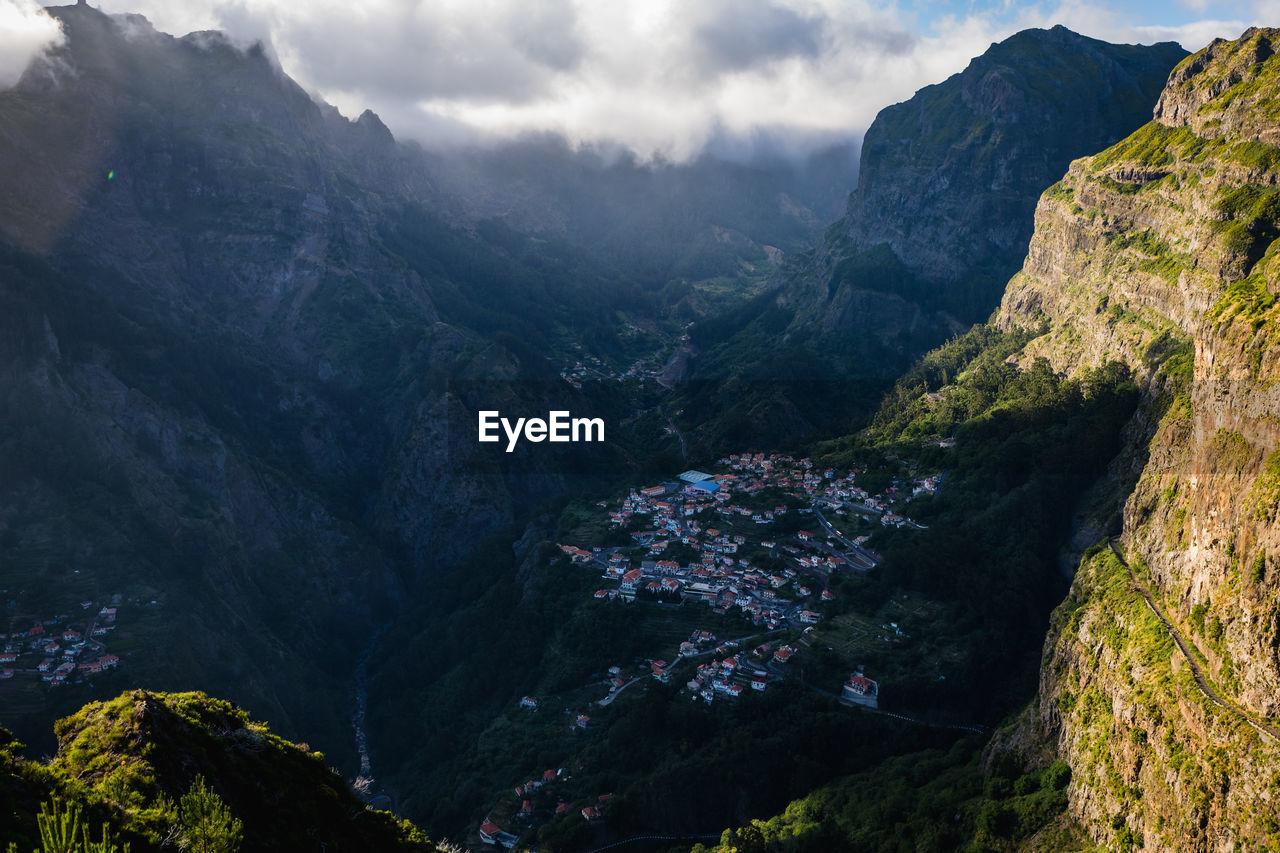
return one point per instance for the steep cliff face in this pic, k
(1161, 251)
(949, 179)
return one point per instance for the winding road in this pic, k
(1206, 687)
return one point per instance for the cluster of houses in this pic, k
(828, 488)
(541, 799)
(725, 520)
(59, 652)
(732, 675)
(662, 517)
(765, 599)
(648, 367)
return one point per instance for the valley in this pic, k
(847, 567)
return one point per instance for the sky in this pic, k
(660, 76)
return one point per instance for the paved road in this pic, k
(908, 718)
(604, 703)
(1197, 673)
(860, 557)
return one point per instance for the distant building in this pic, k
(861, 690)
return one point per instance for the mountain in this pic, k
(244, 340)
(952, 176)
(948, 183)
(1155, 723)
(1159, 678)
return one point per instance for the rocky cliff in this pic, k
(1160, 674)
(949, 179)
(948, 183)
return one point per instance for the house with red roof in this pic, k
(861, 690)
(631, 579)
(489, 832)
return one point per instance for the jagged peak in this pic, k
(1227, 88)
(370, 122)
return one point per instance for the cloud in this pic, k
(663, 76)
(730, 38)
(25, 33)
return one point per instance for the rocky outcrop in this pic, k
(949, 179)
(1160, 252)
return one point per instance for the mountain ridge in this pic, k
(940, 220)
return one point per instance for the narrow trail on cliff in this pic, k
(1197, 672)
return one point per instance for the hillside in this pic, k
(127, 762)
(1157, 684)
(948, 183)
(1161, 251)
(243, 341)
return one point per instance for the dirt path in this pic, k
(1206, 687)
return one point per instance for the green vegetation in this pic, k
(1250, 220)
(184, 768)
(1249, 297)
(933, 801)
(62, 832)
(978, 587)
(1171, 355)
(1264, 496)
(1150, 145)
(1061, 191)
(207, 824)
(1027, 444)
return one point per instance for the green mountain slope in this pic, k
(128, 762)
(1161, 251)
(1157, 682)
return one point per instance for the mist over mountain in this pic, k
(940, 220)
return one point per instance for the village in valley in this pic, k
(62, 649)
(757, 544)
(718, 538)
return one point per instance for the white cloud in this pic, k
(25, 33)
(662, 75)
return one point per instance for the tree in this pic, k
(207, 824)
(62, 832)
